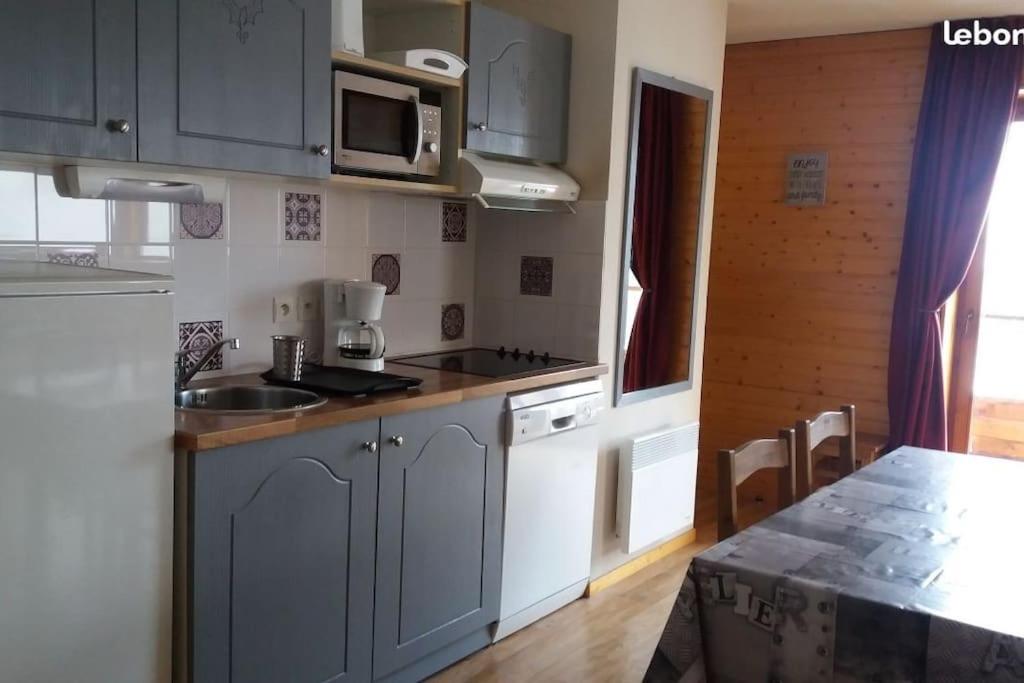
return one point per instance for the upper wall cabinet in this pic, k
(67, 78)
(238, 85)
(517, 103)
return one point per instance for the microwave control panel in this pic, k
(430, 155)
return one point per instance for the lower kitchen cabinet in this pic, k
(438, 537)
(320, 557)
(282, 558)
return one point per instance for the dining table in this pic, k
(909, 569)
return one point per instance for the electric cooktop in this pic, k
(489, 362)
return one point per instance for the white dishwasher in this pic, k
(550, 477)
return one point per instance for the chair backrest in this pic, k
(736, 466)
(809, 435)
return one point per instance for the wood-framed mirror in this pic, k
(669, 140)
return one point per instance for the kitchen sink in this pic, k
(247, 399)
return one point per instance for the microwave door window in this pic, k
(371, 123)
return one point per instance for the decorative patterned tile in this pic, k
(302, 217)
(199, 336)
(201, 222)
(453, 222)
(453, 321)
(536, 274)
(387, 270)
(87, 258)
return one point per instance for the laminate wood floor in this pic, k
(607, 638)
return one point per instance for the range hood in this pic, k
(97, 182)
(516, 186)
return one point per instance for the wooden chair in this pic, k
(809, 435)
(736, 466)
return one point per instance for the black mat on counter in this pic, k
(345, 381)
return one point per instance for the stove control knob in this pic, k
(516, 354)
(530, 356)
(430, 148)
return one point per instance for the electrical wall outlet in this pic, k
(309, 307)
(284, 309)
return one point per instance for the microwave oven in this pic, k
(385, 127)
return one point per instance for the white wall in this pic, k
(685, 40)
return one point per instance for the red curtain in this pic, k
(968, 104)
(648, 355)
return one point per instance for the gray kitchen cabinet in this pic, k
(67, 78)
(281, 559)
(517, 101)
(236, 84)
(438, 537)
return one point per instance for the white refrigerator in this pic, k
(86, 474)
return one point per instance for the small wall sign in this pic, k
(806, 178)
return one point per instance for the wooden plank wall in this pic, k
(800, 299)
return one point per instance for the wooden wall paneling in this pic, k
(800, 299)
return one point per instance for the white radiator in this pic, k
(657, 487)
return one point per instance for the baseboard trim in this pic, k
(636, 564)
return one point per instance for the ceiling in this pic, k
(754, 20)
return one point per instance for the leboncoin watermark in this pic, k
(980, 35)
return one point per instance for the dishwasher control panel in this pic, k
(535, 422)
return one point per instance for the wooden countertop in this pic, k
(198, 431)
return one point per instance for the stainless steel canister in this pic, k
(288, 354)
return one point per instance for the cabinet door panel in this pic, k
(240, 85)
(67, 68)
(439, 525)
(518, 90)
(443, 517)
(300, 543)
(282, 558)
(261, 62)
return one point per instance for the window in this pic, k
(999, 372)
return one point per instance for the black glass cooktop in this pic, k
(488, 362)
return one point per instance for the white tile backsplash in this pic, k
(139, 222)
(422, 223)
(65, 220)
(18, 199)
(349, 219)
(234, 279)
(386, 223)
(566, 323)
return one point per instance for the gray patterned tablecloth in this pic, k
(911, 569)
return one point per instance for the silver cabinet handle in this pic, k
(369, 446)
(482, 127)
(120, 126)
(321, 150)
(397, 441)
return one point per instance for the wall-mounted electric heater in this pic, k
(657, 486)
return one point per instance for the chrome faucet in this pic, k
(183, 374)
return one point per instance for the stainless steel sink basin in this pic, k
(247, 400)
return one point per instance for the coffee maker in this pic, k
(353, 337)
